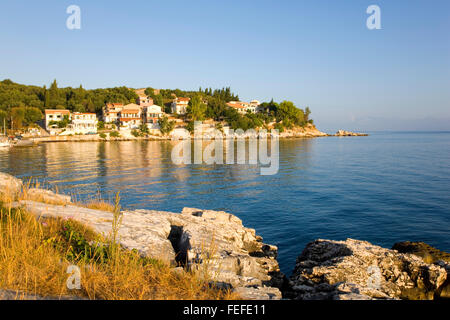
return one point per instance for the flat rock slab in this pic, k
(214, 243)
(18, 295)
(9, 185)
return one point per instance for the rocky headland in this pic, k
(344, 133)
(217, 245)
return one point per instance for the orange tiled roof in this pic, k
(53, 111)
(236, 105)
(129, 119)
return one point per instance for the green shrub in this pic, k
(135, 133)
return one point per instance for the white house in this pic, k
(130, 116)
(110, 112)
(151, 116)
(55, 115)
(83, 123)
(179, 105)
(242, 107)
(144, 101)
(52, 117)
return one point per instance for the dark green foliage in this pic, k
(165, 125)
(100, 125)
(74, 99)
(190, 127)
(196, 109)
(80, 243)
(143, 129)
(114, 134)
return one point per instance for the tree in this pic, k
(17, 117)
(150, 92)
(32, 115)
(196, 108)
(100, 125)
(190, 126)
(307, 113)
(158, 100)
(216, 109)
(143, 128)
(3, 118)
(165, 125)
(55, 95)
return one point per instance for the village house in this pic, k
(130, 116)
(179, 105)
(83, 123)
(242, 107)
(151, 116)
(110, 112)
(52, 117)
(144, 101)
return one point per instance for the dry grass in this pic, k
(35, 255)
(98, 205)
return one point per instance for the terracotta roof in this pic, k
(183, 99)
(236, 105)
(131, 106)
(53, 111)
(129, 119)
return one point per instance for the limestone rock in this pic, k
(258, 293)
(343, 133)
(423, 250)
(355, 269)
(47, 196)
(18, 295)
(9, 186)
(428, 255)
(213, 243)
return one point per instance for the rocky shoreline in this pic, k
(309, 131)
(217, 245)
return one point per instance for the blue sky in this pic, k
(315, 53)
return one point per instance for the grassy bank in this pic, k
(35, 256)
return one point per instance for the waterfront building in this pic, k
(179, 105)
(130, 116)
(242, 107)
(52, 117)
(151, 115)
(110, 112)
(144, 101)
(83, 123)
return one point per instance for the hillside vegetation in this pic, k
(23, 105)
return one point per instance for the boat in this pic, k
(4, 143)
(24, 143)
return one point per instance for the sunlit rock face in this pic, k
(214, 244)
(10, 186)
(353, 269)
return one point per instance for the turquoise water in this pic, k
(384, 188)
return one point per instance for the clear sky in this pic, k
(315, 53)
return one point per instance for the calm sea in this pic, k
(384, 188)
